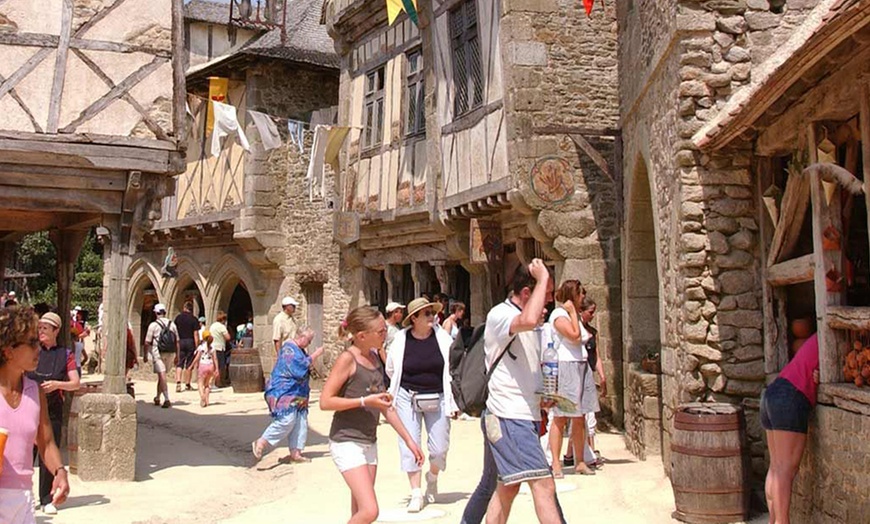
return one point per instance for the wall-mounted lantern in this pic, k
(259, 14)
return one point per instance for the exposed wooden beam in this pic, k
(794, 271)
(23, 71)
(60, 66)
(60, 177)
(62, 200)
(95, 156)
(849, 318)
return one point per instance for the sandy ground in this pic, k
(195, 466)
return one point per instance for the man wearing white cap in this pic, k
(395, 314)
(284, 327)
(152, 343)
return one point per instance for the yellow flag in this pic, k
(394, 7)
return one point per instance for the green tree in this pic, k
(36, 254)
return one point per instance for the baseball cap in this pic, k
(11, 294)
(392, 306)
(159, 308)
(289, 301)
(77, 308)
(52, 319)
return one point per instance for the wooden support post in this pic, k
(390, 274)
(116, 260)
(4, 250)
(864, 123)
(825, 216)
(443, 277)
(68, 244)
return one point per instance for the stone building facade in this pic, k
(481, 139)
(242, 224)
(721, 110)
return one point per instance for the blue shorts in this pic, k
(516, 448)
(785, 408)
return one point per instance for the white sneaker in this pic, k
(431, 487)
(49, 509)
(416, 503)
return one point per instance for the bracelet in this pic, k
(58, 470)
(362, 402)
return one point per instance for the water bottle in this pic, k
(550, 369)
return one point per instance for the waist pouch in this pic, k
(426, 402)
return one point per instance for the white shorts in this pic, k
(157, 361)
(591, 422)
(349, 455)
(16, 506)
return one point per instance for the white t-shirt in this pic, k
(219, 336)
(204, 353)
(569, 351)
(515, 381)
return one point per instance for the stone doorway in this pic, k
(190, 293)
(240, 310)
(642, 328)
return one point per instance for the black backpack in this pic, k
(166, 342)
(470, 382)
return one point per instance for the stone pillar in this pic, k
(443, 277)
(68, 244)
(107, 437)
(393, 276)
(481, 292)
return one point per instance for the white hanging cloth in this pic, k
(316, 160)
(269, 135)
(296, 131)
(226, 123)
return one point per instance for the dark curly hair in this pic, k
(17, 326)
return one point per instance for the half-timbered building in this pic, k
(242, 225)
(482, 136)
(92, 98)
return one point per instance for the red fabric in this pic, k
(800, 370)
(70, 361)
(588, 5)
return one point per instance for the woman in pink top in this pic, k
(24, 414)
(785, 415)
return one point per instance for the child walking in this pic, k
(205, 360)
(355, 391)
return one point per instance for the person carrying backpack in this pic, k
(512, 418)
(162, 337)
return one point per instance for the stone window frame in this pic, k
(415, 93)
(373, 108)
(466, 57)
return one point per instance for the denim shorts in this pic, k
(516, 448)
(785, 408)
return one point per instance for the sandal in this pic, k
(258, 454)
(584, 470)
(157, 400)
(558, 475)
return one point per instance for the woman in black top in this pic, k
(55, 373)
(418, 366)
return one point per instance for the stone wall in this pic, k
(106, 435)
(704, 206)
(643, 433)
(831, 486)
(560, 72)
(311, 255)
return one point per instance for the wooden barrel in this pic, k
(72, 439)
(709, 464)
(246, 371)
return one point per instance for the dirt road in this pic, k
(195, 466)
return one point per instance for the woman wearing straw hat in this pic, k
(417, 365)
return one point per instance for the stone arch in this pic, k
(230, 289)
(190, 279)
(642, 286)
(642, 320)
(144, 290)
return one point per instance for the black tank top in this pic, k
(359, 424)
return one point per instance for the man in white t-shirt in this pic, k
(152, 343)
(513, 409)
